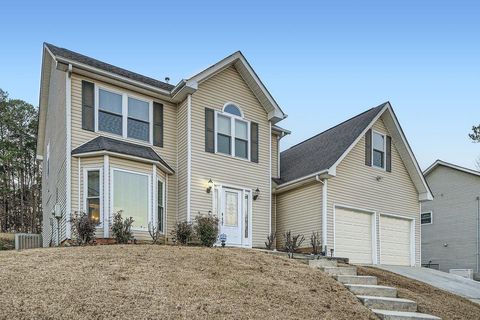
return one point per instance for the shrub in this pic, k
(270, 243)
(206, 229)
(182, 232)
(83, 228)
(316, 243)
(154, 232)
(6, 243)
(292, 243)
(122, 229)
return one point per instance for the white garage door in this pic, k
(395, 238)
(353, 235)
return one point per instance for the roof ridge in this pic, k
(335, 126)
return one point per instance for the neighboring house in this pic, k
(111, 140)
(450, 223)
(359, 186)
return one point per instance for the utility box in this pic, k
(27, 241)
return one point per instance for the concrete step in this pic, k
(344, 271)
(383, 303)
(322, 263)
(356, 279)
(372, 290)
(403, 315)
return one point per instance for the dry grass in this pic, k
(7, 241)
(164, 282)
(429, 299)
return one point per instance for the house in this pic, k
(113, 140)
(450, 223)
(359, 186)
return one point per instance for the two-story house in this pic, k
(111, 140)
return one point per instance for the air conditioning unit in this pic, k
(466, 273)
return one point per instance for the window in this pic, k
(378, 150)
(92, 194)
(426, 218)
(131, 196)
(123, 115)
(160, 205)
(232, 132)
(246, 209)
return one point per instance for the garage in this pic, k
(354, 235)
(395, 240)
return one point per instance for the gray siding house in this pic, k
(450, 225)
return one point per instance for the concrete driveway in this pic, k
(466, 288)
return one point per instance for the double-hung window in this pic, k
(160, 206)
(232, 132)
(110, 112)
(93, 194)
(138, 119)
(378, 150)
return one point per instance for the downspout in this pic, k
(324, 182)
(68, 159)
(189, 153)
(478, 231)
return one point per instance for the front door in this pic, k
(231, 215)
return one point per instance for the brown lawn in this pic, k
(429, 299)
(165, 282)
(7, 241)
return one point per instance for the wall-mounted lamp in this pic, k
(378, 178)
(256, 193)
(209, 186)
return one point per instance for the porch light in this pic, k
(209, 186)
(256, 193)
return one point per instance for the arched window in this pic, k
(232, 109)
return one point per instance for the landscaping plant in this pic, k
(270, 243)
(154, 231)
(206, 229)
(122, 229)
(292, 243)
(182, 232)
(316, 243)
(83, 228)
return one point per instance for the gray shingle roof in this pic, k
(108, 144)
(320, 152)
(71, 55)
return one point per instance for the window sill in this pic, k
(232, 157)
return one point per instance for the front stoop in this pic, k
(382, 300)
(403, 315)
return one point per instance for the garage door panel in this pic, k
(395, 240)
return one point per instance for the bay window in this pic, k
(232, 132)
(93, 193)
(160, 206)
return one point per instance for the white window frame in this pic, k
(85, 191)
(150, 217)
(384, 150)
(233, 118)
(160, 179)
(124, 115)
(431, 218)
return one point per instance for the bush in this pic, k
(122, 229)
(292, 243)
(270, 243)
(206, 229)
(83, 228)
(316, 243)
(182, 232)
(154, 232)
(6, 244)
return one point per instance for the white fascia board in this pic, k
(450, 165)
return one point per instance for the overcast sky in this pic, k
(323, 61)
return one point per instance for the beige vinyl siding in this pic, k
(214, 93)
(182, 128)
(299, 210)
(168, 152)
(275, 146)
(54, 185)
(356, 185)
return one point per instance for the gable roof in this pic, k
(120, 147)
(319, 156)
(321, 151)
(74, 56)
(439, 162)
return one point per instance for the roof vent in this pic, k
(167, 79)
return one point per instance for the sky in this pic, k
(323, 61)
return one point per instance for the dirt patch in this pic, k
(429, 299)
(165, 282)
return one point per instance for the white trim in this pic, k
(324, 213)
(431, 217)
(278, 156)
(450, 165)
(189, 155)
(85, 191)
(269, 180)
(154, 198)
(384, 136)
(293, 184)
(68, 163)
(242, 115)
(79, 185)
(165, 209)
(233, 118)
(107, 203)
(412, 235)
(374, 227)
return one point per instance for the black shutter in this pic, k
(88, 109)
(157, 124)
(209, 130)
(388, 165)
(254, 142)
(368, 148)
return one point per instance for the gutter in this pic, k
(327, 173)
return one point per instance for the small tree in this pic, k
(292, 243)
(83, 228)
(154, 231)
(316, 243)
(206, 229)
(270, 243)
(122, 229)
(182, 232)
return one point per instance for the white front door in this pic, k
(231, 215)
